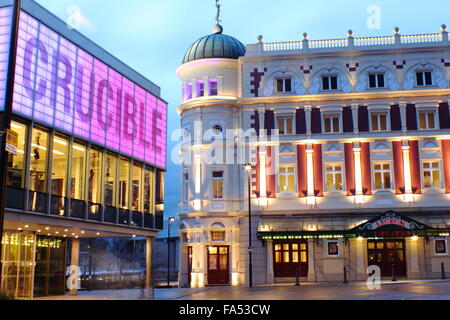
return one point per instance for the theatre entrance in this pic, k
(388, 254)
(218, 265)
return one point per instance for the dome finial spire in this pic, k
(218, 28)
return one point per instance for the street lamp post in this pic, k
(169, 221)
(248, 168)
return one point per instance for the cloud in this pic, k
(77, 20)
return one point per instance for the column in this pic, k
(310, 169)
(183, 276)
(358, 176)
(413, 265)
(234, 254)
(194, 88)
(206, 85)
(403, 116)
(311, 267)
(269, 262)
(361, 270)
(74, 264)
(149, 271)
(355, 117)
(406, 167)
(308, 119)
(202, 272)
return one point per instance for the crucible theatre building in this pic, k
(349, 160)
(86, 141)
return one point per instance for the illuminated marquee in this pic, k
(62, 86)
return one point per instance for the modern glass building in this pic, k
(91, 149)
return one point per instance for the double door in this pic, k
(389, 255)
(218, 265)
(290, 258)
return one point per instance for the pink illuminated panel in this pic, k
(62, 86)
(5, 38)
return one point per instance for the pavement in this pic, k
(400, 290)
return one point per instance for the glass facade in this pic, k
(74, 179)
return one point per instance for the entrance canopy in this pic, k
(389, 224)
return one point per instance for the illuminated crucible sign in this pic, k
(62, 86)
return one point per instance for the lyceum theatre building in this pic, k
(90, 151)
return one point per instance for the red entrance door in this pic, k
(218, 265)
(388, 254)
(289, 257)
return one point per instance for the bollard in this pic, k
(345, 275)
(443, 271)
(297, 278)
(394, 275)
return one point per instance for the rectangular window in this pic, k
(200, 89)
(440, 246)
(376, 80)
(186, 187)
(77, 179)
(95, 176)
(38, 161)
(136, 191)
(382, 173)
(218, 235)
(331, 124)
(189, 91)
(427, 120)
(329, 83)
(379, 121)
(284, 85)
(431, 175)
(424, 78)
(333, 248)
(124, 183)
(213, 88)
(110, 180)
(333, 174)
(148, 190)
(286, 179)
(59, 170)
(285, 125)
(16, 163)
(217, 185)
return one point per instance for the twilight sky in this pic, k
(152, 36)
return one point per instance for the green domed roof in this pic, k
(216, 45)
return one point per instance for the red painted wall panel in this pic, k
(270, 174)
(350, 169)
(318, 171)
(446, 161)
(399, 176)
(302, 178)
(415, 166)
(366, 168)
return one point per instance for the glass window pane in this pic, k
(212, 250)
(110, 180)
(223, 250)
(427, 179)
(435, 165)
(124, 183)
(431, 124)
(289, 126)
(327, 122)
(148, 191)
(285, 256)
(95, 175)
(330, 182)
(338, 182)
(375, 122)
(436, 179)
(278, 247)
(295, 246)
(333, 83)
(291, 187)
(281, 126)
(136, 199)
(383, 123)
(303, 246)
(295, 256)
(286, 246)
(77, 182)
(280, 85)
(303, 256)
(325, 83)
(16, 163)
(59, 170)
(38, 163)
(278, 257)
(377, 180)
(335, 124)
(380, 80)
(422, 121)
(387, 180)
(288, 86)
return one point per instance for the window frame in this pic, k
(213, 180)
(334, 172)
(283, 79)
(286, 175)
(199, 91)
(377, 80)
(329, 76)
(435, 117)
(211, 92)
(439, 170)
(338, 245)
(285, 119)
(374, 171)
(326, 116)
(377, 114)
(423, 72)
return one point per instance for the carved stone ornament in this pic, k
(298, 86)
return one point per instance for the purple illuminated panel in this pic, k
(62, 86)
(5, 38)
